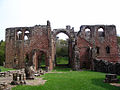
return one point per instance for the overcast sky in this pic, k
(16, 13)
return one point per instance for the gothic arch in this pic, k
(70, 33)
(57, 31)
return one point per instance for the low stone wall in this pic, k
(106, 66)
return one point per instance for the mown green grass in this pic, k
(72, 80)
(61, 69)
(62, 60)
(5, 69)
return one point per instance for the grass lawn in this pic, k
(71, 80)
(62, 60)
(5, 69)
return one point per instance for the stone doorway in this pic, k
(70, 33)
(62, 57)
(41, 60)
(38, 59)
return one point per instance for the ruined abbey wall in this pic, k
(102, 38)
(27, 44)
(27, 41)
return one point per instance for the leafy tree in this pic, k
(118, 37)
(2, 52)
(63, 42)
(62, 51)
(62, 48)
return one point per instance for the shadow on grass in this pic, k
(99, 82)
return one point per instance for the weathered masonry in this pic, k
(26, 45)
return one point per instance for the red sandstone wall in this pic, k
(39, 38)
(83, 46)
(109, 39)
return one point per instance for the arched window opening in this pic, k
(97, 50)
(27, 32)
(107, 49)
(19, 35)
(19, 32)
(62, 55)
(25, 37)
(87, 33)
(101, 32)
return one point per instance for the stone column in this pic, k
(76, 59)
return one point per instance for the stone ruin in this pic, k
(29, 71)
(92, 47)
(112, 70)
(28, 44)
(106, 66)
(9, 79)
(3, 86)
(18, 79)
(5, 79)
(111, 78)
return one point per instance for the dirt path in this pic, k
(115, 84)
(36, 81)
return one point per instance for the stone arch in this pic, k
(42, 56)
(87, 33)
(57, 31)
(19, 34)
(26, 34)
(70, 33)
(83, 32)
(34, 56)
(26, 38)
(27, 31)
(101, 31)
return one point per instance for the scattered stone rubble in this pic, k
(106, 66)
(20, 77)
(3, 86)
(39, 72)
(3, 74)
(111, 78)
(29, 71)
